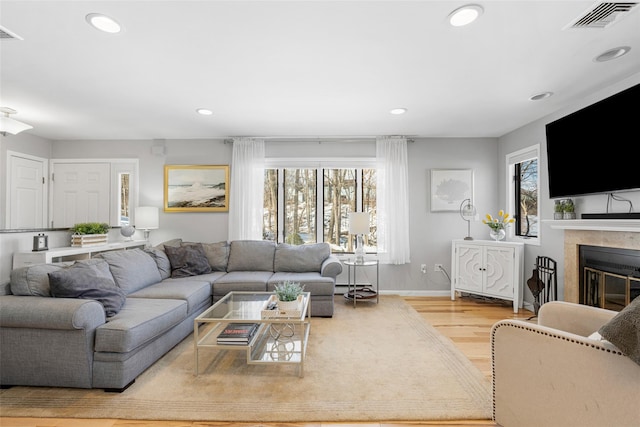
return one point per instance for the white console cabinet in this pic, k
(488, 268)
(70, 253)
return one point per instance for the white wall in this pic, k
(431, 232)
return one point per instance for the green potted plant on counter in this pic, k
(89, 233)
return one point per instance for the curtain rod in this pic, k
(318, 140)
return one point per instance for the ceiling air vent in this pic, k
(602, 14)
(8, 35)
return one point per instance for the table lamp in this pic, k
(359, 225)
(147, 218)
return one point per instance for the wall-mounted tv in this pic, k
(596, 149)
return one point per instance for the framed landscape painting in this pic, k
(449, 188)
(196, 188)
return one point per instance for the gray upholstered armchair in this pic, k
(553, 374)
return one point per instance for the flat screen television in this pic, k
(596, 149)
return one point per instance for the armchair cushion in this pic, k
(623, 330)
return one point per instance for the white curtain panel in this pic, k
(393, 200)
(247, 189)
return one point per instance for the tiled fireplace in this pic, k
(573, 238)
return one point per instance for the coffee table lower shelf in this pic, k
(275, 342)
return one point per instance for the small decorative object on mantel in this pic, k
(558, 210)
(498, 225)
(89, 234)
(40, 242)
(569, 209)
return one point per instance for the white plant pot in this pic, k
(288, 305)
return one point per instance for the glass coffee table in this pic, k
(281, 337)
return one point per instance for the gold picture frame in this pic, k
(196, 188)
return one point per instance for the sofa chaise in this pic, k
(99, 323)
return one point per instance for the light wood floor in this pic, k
(466, 321)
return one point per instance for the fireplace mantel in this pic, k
(628, 225)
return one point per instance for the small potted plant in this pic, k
(558, 210)
(568, 209)
(89, 233)
(287, 293)
(90, 228)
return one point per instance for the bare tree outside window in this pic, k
(527, 195)
(339, 200)
(302, 210)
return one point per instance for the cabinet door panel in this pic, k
(469, 268)
(500, 272)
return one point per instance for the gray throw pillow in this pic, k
(98, 265)
(217, 254)
(172, 242)
(162, 261)
(187, 260)
(83, 281)
(623, 330)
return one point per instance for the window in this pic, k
(523, 191)
(308, 205)
(124, 202)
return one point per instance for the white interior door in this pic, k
(81, 193)
(27, 191)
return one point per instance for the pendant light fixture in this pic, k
(9, 125)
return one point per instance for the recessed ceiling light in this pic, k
(204, 111)
(614, 53)
(103, 23)
(398, 111)
(540, 96)
(465, 15)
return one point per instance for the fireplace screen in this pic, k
(609, 290)
(610, 277)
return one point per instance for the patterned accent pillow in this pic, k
(187, 260)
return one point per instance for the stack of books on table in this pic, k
(237, 333)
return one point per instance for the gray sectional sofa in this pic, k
(99, 323)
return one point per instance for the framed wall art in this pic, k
(449, 188)
(196, 188)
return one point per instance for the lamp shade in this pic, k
(147, 218)
(359, 223)
(12, 126)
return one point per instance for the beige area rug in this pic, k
(372, 363)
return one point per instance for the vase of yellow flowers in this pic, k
(498, 225)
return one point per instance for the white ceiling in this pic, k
(300, 68)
